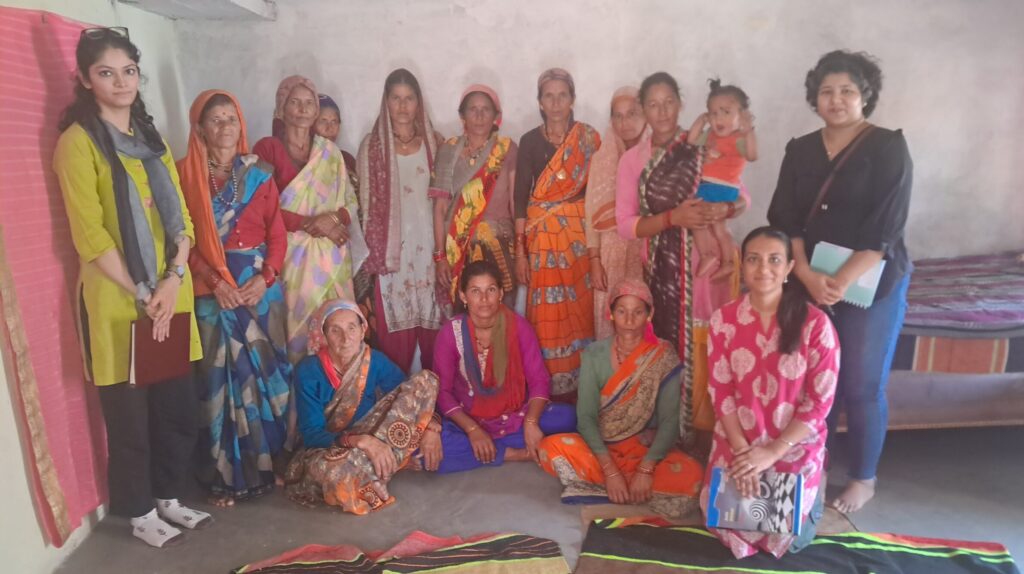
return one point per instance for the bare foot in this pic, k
(725, 270)
(516, 455)
(856, 494)
(380, 489)
(221, 501)
(707, 263)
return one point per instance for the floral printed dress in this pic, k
(767, 389)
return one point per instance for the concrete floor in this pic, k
(962, 484)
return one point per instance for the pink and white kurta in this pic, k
(768, 389)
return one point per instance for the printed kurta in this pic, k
(767, 390)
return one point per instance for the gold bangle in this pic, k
(472, 428)
(531, 420)
(644, 470)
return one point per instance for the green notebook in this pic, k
(829, 258)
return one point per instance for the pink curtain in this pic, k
(58, 410)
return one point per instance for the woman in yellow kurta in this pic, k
(133, 234)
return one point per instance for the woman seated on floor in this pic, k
(774, 360)
(628, 417)
(360, 423)
(494, 385)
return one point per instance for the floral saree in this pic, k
(344, 477)
(315, 268)
(470, 237)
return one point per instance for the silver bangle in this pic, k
(790, 443)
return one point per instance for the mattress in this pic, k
(964, 315)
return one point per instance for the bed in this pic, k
(959, 361)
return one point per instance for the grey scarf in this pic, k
(139, 246)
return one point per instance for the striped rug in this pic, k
(419, 553)
(652, 547)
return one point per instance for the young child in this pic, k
(729, 144)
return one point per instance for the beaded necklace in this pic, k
(232, 187)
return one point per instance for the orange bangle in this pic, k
(666, 219)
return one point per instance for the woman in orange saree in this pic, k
(551, 249)
(627, 417)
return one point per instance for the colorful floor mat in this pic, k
(421, 552)
(654, 547)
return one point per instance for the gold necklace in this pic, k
(473, 155)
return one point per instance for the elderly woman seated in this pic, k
(360, 422)
(628, 418)
(494, 386)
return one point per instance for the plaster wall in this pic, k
(952, 77)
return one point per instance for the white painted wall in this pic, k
(22, 544)
(952, 67)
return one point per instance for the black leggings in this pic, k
(151, 434)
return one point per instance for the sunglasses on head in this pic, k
(101, 33)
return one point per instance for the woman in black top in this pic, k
(864, 209)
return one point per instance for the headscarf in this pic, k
(603, 168)
(284, 89)
(624, 93)
(195, 185)
(328, 103)
(640, 290)
(490, 93)
(552, 74)
(556, 74)
(379, 193)
(317, 338)
(633, 287)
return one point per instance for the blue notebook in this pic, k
(776, 508)
(828, 258)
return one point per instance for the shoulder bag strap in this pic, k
(850, 149)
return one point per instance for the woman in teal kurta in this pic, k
(133, 234)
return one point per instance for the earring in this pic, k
(786, 280)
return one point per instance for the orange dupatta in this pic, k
(194, 174)
(629, 397)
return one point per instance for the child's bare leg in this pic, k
(720, 229)
(707, 246)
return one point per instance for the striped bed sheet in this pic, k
(964, 315)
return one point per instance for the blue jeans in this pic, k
(867, 341)
(810, 527)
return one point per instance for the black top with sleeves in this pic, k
(535, 151)
(866, 207)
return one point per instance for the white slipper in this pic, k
(152, 530)
(176, 512)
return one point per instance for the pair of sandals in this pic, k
(156, 530)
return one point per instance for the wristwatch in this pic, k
(176, 270)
